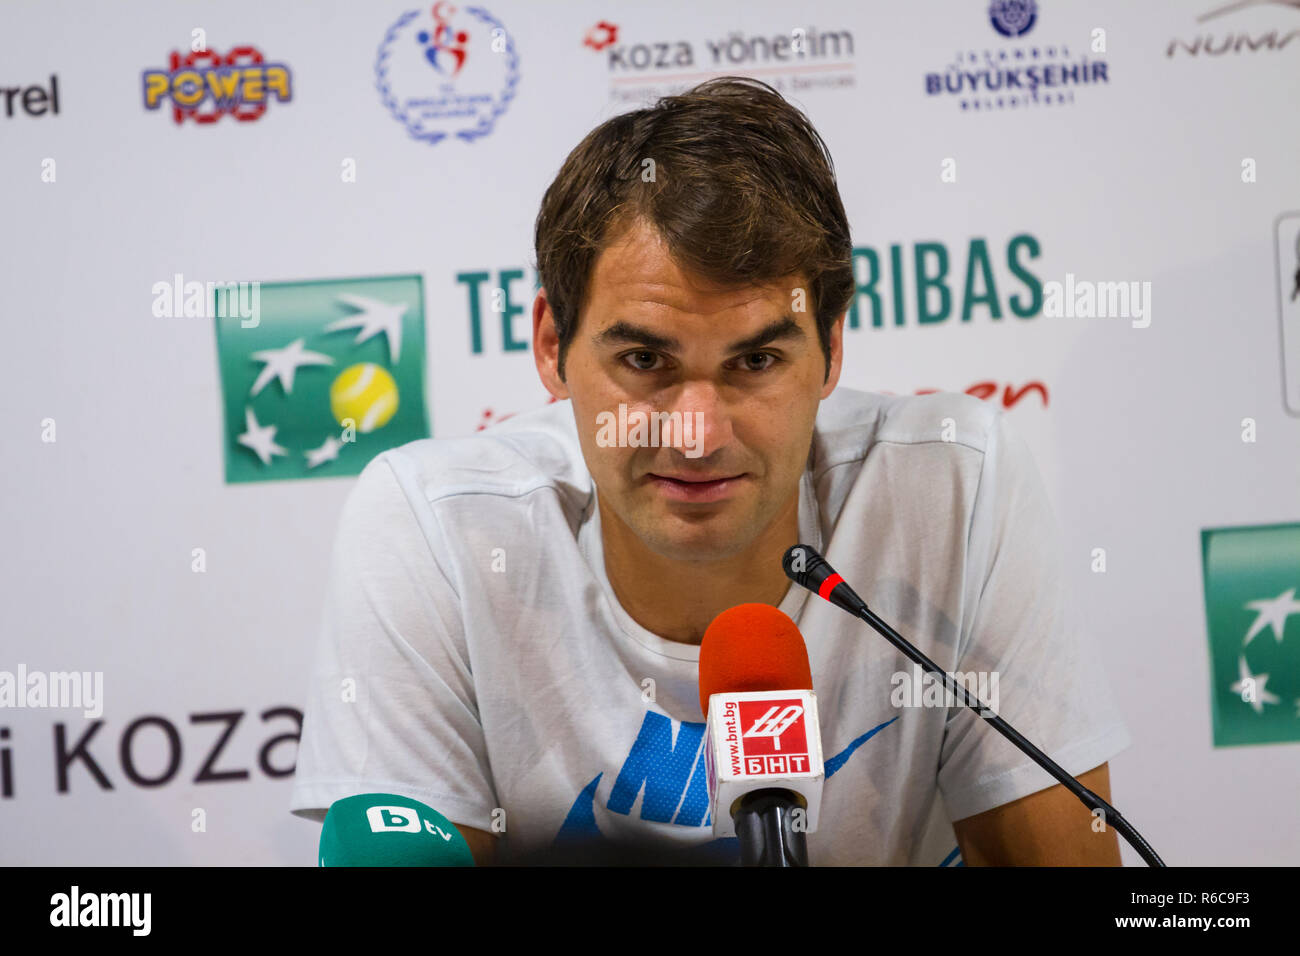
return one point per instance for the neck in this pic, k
(701, 590)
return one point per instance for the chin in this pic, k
(701, 540)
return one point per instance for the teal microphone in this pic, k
(383, 829)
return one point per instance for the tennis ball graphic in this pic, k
(366, 394)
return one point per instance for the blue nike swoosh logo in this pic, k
(580, 822)
(841, 758)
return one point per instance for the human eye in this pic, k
(758, 361)
(638, 357)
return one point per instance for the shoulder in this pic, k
(851, 423)
(919, 449)
(532, 451)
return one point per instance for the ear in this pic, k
(546, 347)
(837, 356)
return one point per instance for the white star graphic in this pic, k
(1274, 612)
(374, 317)
(282, 363)
(1262, 696)
(260, 438)
(329, 451)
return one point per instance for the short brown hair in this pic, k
(743, 192)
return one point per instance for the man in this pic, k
(521, 611)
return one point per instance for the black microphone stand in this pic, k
(765, 827)
(804, 566)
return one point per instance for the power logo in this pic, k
(204, 86)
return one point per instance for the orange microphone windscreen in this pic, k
(752, 647)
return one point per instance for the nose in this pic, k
(705, 420)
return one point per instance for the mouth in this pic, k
(696, 490)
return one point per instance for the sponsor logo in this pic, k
(1286, 230)
(929, 283)
(392, 820)
(603, 34)
(987, 391)
(1042, 73)
(776, 741)
(148, 752)
(446, 71)
(34, 100)
(1220, 40)
(204, 85)
(331, 375)
(902, 284)
(793, 60)
(1013, 18)
(402, 820)
(1252, 578)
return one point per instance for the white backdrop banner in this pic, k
(229, 228)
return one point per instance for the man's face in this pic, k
(743, 371)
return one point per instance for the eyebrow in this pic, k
(625, 333)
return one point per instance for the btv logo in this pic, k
(393, 820)
(400, 820)
(777, 739)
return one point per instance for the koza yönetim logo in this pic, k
(1252, 579)
(331, 375)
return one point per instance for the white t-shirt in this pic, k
(492, 669)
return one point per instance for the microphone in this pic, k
(383, 829)
(763, 753)
(805, 567)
